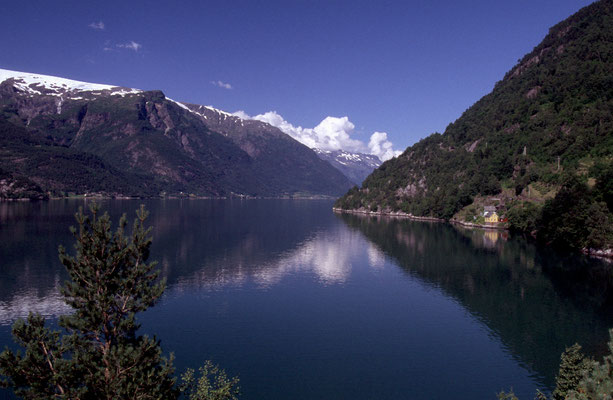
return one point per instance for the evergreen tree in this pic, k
(540, 395)
(213, 384)
(506, 396)
(573, 365)
(597, 383)
(98, 355)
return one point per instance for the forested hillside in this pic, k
(547, 125)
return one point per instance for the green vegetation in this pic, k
(19, 187)
(60, 170)
(597, 382)
(551, 116)
(98, 353)
(573, 366)
(575, 218)
(579, 378)
(524, 216)
(213, 384)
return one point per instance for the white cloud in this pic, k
(241, 114)
(333, 133)
(223, 85)
(131, 45)
(380, 146)
(99, 26)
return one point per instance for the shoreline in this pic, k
(602, 254)
(499, 227)
(98, 197)
(396, 214)
(401, 214)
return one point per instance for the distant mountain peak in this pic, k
(355, 166)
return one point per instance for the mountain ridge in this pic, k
(548, 121)
(156, 144)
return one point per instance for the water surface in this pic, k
(305, 304)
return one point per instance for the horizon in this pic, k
(353, 78)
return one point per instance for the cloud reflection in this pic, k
(21, 304)
(375, 257)
(326, 256)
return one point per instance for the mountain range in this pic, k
(355, 166)
(60, 137)
(538, 148)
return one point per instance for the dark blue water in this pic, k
(301, 303)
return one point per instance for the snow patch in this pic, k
(183, 106)
(224, 113)
(55, 86)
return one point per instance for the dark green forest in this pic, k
(34, 161)
(546, 127)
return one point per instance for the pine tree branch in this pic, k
(49, 356)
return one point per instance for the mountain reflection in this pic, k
(536, 301)
(210, 244)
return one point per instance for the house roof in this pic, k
(489, 208)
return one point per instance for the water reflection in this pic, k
(325, 254)
(211, 244)
(30, 272)
(270, 260)
(536, 301)
(19, 305)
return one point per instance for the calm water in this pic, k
(305, 304)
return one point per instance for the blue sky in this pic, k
(405, 68)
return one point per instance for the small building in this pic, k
(491, 217)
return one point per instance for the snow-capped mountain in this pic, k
(355, 166)
(66, 136)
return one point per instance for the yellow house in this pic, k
(492, 218)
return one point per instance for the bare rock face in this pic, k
(532, 93)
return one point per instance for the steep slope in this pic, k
(282, 162)
(148, 144)
(549, 117)
(355, 166)
(37, 163)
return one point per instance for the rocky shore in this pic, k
(499, 226)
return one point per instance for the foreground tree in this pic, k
(213, 384)
(597, 382)
(579, 378)
(98, 355)
(573, 366)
